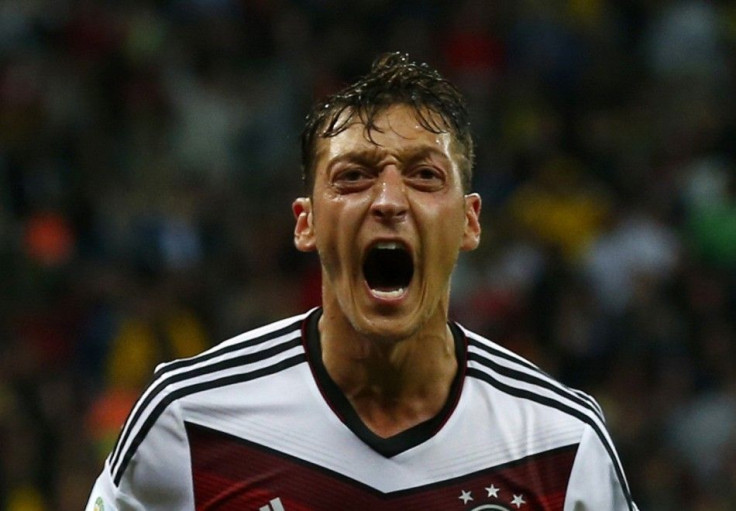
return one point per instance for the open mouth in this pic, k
(388, 269)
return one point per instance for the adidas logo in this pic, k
(273, 505)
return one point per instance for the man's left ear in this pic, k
(304, 239)
(471, 234)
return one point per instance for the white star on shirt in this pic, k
(465, 496)
(518, 501)
(492, 491)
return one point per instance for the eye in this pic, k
(352, 179)
(426, 173)
(352, 175)
(426, 177)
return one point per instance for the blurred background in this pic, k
(149, 156)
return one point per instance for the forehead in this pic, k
(397, 131)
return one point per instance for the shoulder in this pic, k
(255, 354)
(250, 355)
(544, 403)
(243, 351)
(517, 377)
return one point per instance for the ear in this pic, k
(471, 234)
(304, 227)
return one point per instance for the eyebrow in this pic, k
(426, 153)
(362, 156)
(375, 154)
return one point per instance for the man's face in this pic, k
(388, 218)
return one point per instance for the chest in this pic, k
(290, 451)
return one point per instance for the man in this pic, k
(374, 400)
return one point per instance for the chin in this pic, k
(388, 330)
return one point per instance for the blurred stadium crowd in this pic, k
(148, 158)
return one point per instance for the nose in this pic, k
(390, 201)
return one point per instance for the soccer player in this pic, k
(376, 400)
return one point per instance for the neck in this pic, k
(392, 384)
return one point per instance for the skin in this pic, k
(392, 354)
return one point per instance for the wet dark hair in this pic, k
(393, 80)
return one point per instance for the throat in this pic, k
(391, 399)
(390, 387)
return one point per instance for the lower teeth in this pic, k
(394, 293)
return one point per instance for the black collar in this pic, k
(334, 397)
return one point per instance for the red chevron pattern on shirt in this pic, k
(231, 474)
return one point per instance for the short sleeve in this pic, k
(597, 480)
(151, 469)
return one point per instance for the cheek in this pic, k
(327, 244)
(444, 237)
(334, 240)
(446, 223)
(340, 218)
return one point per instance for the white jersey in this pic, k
(256, 423)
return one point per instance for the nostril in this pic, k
(388, 212)
(390, 201)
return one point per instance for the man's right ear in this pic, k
(304, 229)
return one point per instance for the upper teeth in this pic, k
(388, 245)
